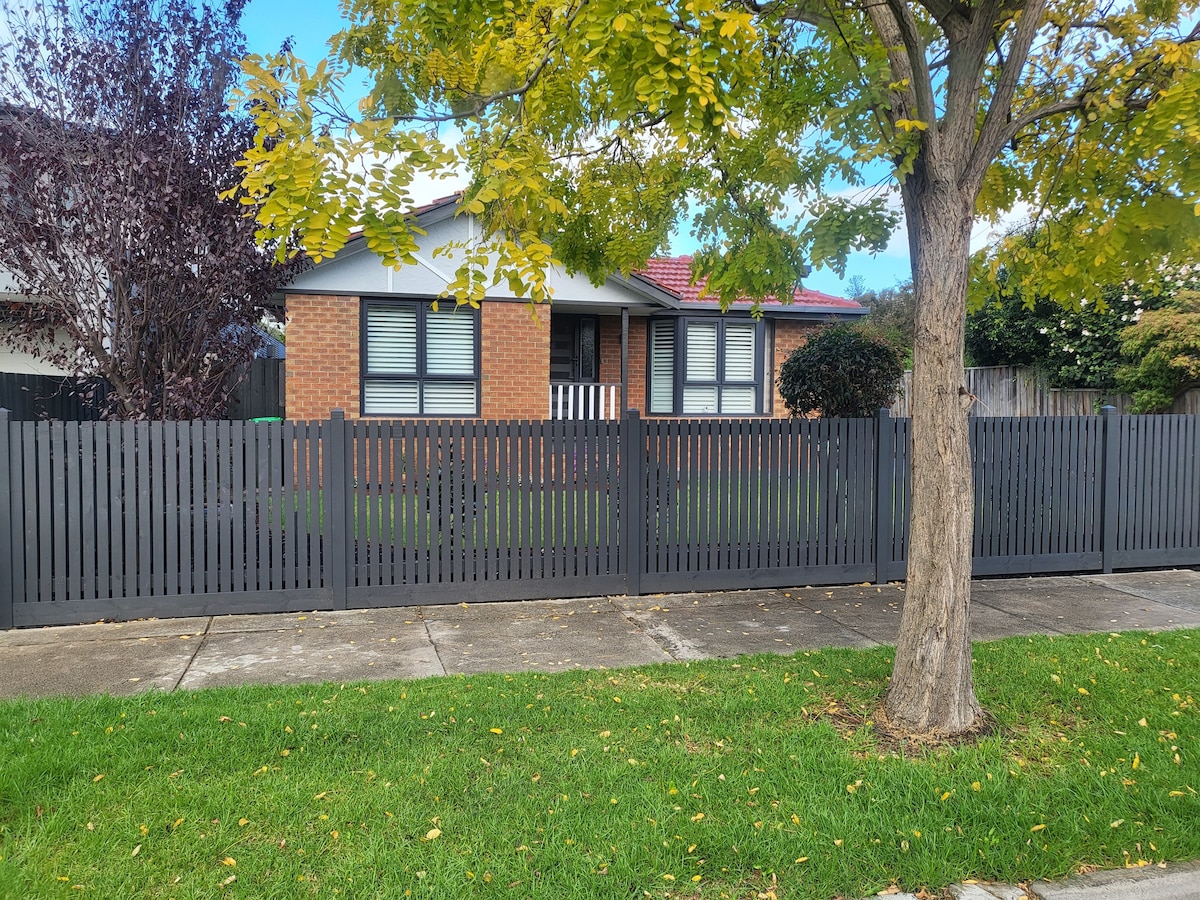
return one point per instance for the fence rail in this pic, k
(120, 520)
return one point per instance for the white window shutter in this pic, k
(450, 398)
(391, 340)
(662, 366)
(739, 401)
(700, 400)
(702, 351)
(739, 351)
(449, 343)
(384, 398)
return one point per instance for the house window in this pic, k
(418, 361)
(704, 367)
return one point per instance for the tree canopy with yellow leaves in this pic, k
(778, 131)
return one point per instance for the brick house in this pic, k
(363, 337)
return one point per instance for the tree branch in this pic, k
(914, 47)
(480, 104)
(995, 132)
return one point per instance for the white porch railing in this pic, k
(585, 401)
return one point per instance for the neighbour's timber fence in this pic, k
(1013, 391)
(123, 520)
(32, 398)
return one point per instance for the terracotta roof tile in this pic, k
(674, 274)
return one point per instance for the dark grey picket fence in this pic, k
(122, 520)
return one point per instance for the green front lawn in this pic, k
(713, 779)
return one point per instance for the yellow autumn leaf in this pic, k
(433, 834)
(1177, 794)
(496, 730)
(697, 817)
(945, 796)
(1083, 691)
(243, 822)
(802, 859)
(334, 834)
(285, 752)
(976, 786)
(136, 850)
(1136, 760)
(229, 861)
(1037, 828)
(97, 778)
(1143, 723)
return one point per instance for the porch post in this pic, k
(624, 359)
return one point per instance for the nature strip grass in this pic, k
(743, 778)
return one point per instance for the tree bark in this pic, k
(932, 691)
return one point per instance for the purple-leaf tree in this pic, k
(117, 144)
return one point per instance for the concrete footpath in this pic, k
(556, 635)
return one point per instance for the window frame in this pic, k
(679, 380)
(423, 307)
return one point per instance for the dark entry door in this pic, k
(574, 349)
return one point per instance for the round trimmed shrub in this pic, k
(841, 372)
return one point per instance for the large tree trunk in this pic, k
(932, 692)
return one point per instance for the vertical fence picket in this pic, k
(8, 517)
(16, 549)
(170, 534)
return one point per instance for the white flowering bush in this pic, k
(1072, 348)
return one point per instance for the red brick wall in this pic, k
(610, 357)
(610, 349)
(515, 361)
(788, 336)
(322, 356)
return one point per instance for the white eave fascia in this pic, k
(783, 310)
(644, 287)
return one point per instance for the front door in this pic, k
(574, 349)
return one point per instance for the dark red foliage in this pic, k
(116, 145)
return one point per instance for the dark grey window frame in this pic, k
(679, 364)
(423, 306)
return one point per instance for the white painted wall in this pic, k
(16, 358)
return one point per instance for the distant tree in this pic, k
(1165, 349)
(116, 143)
(840, 372)
(893, 315)
(1070, 348)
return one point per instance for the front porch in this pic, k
(589, 366)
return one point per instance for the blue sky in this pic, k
(311, 22)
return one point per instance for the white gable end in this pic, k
(357, 271)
